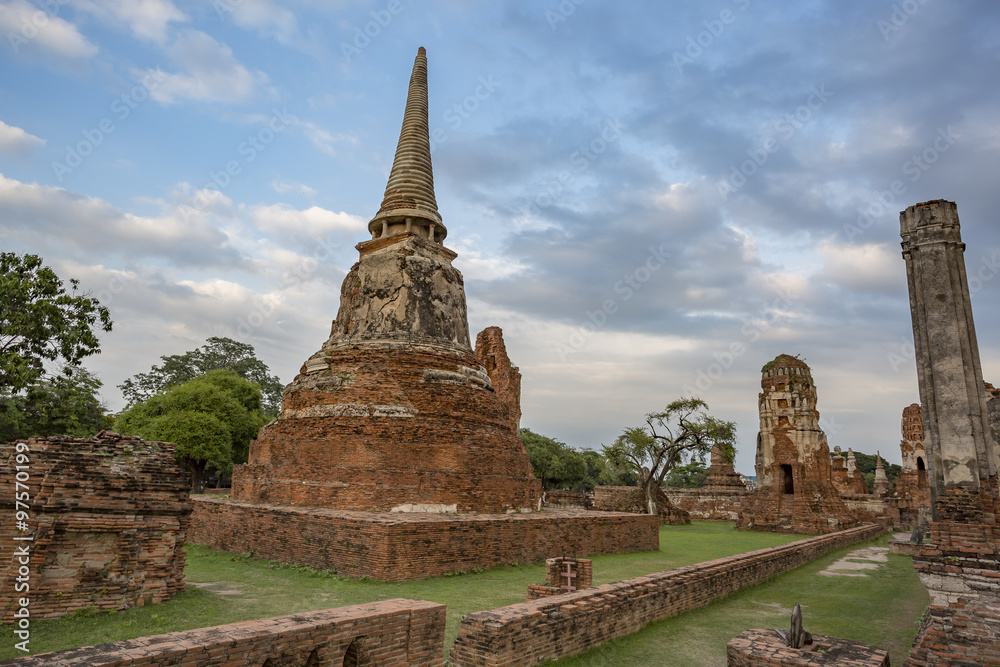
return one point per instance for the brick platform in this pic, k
(405, 546)
(390, 633)
(764, 648)
(709, 504)
(108, 517)
(571, 623)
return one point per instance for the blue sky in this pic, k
(649, 198)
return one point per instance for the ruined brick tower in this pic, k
(395, 412)
(912, 488)
(795, 491)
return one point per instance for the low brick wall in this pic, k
(572, 623)
(708, 504)
(391, 632)
(405, 546)
(764, 648)
(567, 499)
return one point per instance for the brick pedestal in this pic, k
(764, 648)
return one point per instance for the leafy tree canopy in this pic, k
(40, 321)
(217, 353)
(689, 476)
(682, 431)
(62, 404)
(212, 418)
(559, 466)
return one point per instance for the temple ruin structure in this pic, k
(960, 562)
(795, 491)
(396, 412)
(912, 492)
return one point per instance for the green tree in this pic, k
(689, 476)
(61, 404)
(555, 463)
(866, 464)
(683, 430)
(217, 353)
(40, 321)
(212, 418)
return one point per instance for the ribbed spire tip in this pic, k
(422, 52)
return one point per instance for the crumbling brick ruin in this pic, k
(960, 562)
(108, 517)
(847, 479)
(630, 499)
(719, 498)
(764, 648)
(912, 492)
(795, 491)
(395, 412)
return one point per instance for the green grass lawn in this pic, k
(267, 589)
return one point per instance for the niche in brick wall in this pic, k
(786, 472)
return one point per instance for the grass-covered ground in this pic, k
(880, 609)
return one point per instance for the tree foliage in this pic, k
(688, 476)
(61, 404)
(212, 418)
(40, 321)
(683, 431)
(559, 466)
(217, 353)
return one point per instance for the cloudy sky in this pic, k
(651, 199)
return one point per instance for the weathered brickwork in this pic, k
(491, 353)
(108, 517)
(709, 504)
(630, 499)
(847, 479)
(570, 623)
(795, 491)
(764, 648)
(557, 581)
(393, 633)
(557, 498)
(384, 429)
(400, 547)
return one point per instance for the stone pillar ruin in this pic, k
(960, 563)
(912, 490)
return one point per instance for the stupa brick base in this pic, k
(404, 546)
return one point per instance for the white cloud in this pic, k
(283, 187)
(324, 140)
(861, 267)
(147, 19)
(17, 142)
(313, 221)
(210, 72)
(29, 29)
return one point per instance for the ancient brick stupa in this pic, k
(795, 491)
(396, 412)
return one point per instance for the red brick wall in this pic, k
(630, 499)
(391, 632)
(504, 376)
(400, 547)
(764, 648)
(572, 623)
(108, 517)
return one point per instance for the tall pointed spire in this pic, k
(409, 203)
